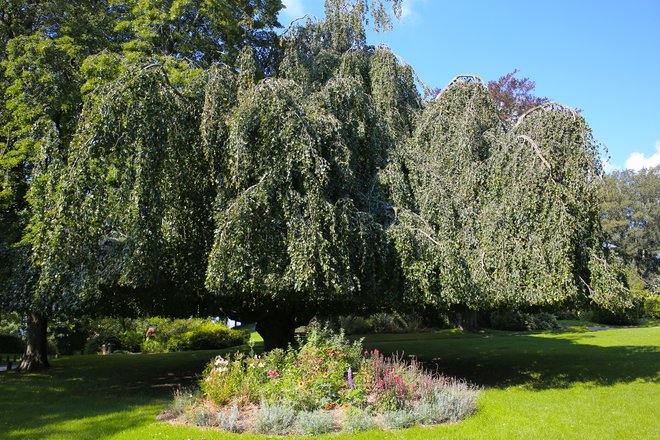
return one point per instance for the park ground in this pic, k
(573, 384)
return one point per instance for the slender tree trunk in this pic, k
(36, 350)
(277, 331)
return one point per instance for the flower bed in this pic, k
(327, 384)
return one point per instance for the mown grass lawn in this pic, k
(586, 385)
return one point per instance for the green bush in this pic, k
(274, 419)
(652, 307)
(619, 317)
(314, 422)
(206, 337)
(355, 325)
(358, 420)
(229, 421)
(519, 321)
(399, 419)
(386, 323)
(183, 400)
(11, 344)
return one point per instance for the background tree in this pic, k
(513, 96)
(631, 220)
(203, 31)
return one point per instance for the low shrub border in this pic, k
(327, 384)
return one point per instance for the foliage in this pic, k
(207, 336)
(314, 422)
(630, 220)
(274, 419)
(11, 323)
(228, 421)
(358, 420)
(490, 216)
(513, 97)
(10, 344)
(354, 325)
(380, 323)
(652, 307)
(54, 55)
(204, 31)
(303, 156)
(172, 335)
(183, 400)
(517, 320)
(628, 316)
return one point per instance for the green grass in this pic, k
(567, 385)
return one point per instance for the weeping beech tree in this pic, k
(493, 218)
(300, 227)
(122, 221)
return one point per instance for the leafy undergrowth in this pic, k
(327, 384)
(603, 385)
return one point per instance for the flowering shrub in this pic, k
(284, 390)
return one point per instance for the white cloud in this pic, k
(608, 166)
(293, 9)
(636, 161)
(408, 10)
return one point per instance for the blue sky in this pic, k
(600, 56)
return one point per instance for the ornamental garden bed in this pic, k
(326, 384)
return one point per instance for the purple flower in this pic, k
(350, 378)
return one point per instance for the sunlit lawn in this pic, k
(586, 385)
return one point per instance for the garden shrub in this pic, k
(358, 420)
(355, 325)
(172, 335)
(206, 337)
(620, 317)
(519, 321)
(399, 419)
(383, 323)
(652, 307)
(386, 323)
(274, 419)
(314, 422)
(183, 400)
(200, 416)
(229, 421)
(11, 344)
(154, 345)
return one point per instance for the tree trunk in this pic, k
(277, 331)
(36, 350)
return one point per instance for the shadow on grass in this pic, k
(534, 361)
(94, 396)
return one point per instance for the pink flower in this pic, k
(272, 373)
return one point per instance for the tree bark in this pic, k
(36, 350)
(277, 331)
